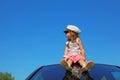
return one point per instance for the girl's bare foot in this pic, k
(88, 66)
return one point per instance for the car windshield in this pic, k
(99, 72)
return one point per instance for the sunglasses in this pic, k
(66, 32)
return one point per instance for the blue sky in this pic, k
(31, 32)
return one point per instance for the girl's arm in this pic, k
(66, 51)
(81, 47)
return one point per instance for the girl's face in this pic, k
(68, 35)
(71, 35)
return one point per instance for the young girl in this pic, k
(74, 51)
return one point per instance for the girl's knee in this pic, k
(80, 61)
(69, 62)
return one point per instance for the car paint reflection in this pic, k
(69, 76)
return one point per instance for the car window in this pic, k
(49, 73)
(38, 76)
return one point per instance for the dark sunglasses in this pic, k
(66, 32)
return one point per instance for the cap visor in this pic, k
(65, 31)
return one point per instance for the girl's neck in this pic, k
(73, 39)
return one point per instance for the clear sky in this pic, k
(31, 32)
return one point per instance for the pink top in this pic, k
(73, 47)
(74, 53)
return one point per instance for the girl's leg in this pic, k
(86, 65)
(64, 64)
(69, 62)
(82, 63)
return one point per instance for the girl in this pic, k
(74, 51)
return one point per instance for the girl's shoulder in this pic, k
(67, 42)
(77, 39)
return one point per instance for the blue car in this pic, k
(57, 72)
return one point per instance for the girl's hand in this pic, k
(65, 56)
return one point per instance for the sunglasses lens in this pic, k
(67, 32)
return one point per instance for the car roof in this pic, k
(57, 72)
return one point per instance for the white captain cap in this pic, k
(72, 28)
